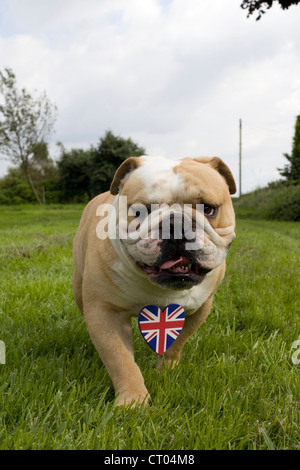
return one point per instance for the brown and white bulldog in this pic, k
(126, 256)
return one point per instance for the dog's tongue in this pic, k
(170, 263)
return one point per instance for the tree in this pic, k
(74, 173)
(111, 152)
(261, 5)
(14, 187)
(85, 173)
(25, 125)
(291, 171)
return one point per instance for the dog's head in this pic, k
(175, 218)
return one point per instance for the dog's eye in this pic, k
(210, 211)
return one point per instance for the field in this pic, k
(237, 386)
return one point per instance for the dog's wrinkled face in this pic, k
(179, 220)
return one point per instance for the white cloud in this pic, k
(174, 75)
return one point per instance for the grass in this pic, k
(236, 387)
(278, 201)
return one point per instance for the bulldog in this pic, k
(159, 236)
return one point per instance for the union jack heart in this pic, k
(159, 327)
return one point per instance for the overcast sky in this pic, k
(174, 75)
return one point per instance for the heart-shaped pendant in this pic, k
(159, 327)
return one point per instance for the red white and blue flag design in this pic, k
(159, 327)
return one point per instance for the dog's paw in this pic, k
(167, 362)
(132, 399)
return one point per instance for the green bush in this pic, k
(279, 201)
(14, 189)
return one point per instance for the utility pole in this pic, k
(240, 161)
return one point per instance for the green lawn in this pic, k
(236, 386)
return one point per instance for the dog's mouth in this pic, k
(176, 273)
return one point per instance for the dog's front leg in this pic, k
(192, 323)
(111, 334)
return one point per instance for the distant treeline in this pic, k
(77, 176)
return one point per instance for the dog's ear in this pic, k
(222, 168)
(127, 166)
